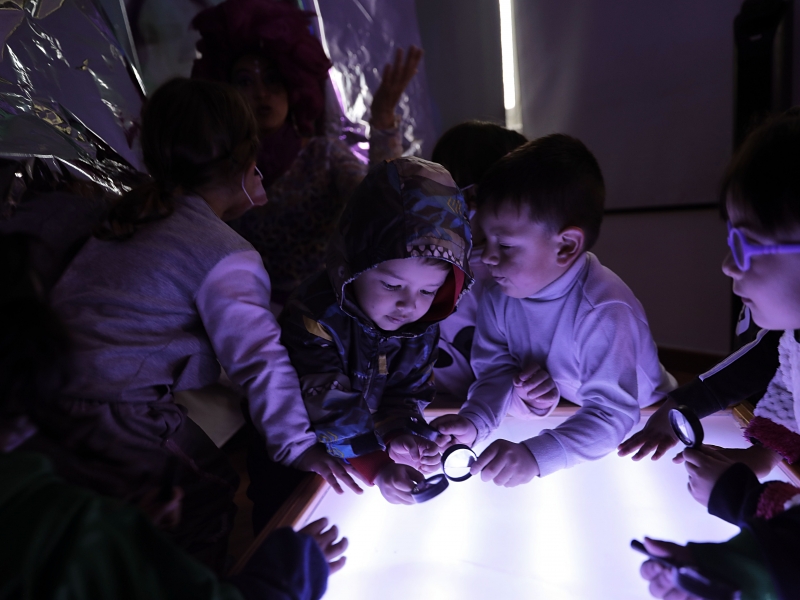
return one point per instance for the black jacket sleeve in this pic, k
(745, 373)
(735, 499)
(735, 495)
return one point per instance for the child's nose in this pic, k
(489, 257)
(261, 90)
(729, 267)
(406, 301)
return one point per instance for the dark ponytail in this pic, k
(194, 134)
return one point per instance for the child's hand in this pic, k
(761, 460)
(535, 388)
(661, 577)
(455, 429)
(412, 450)
(326, 540)
(656, 436)
(705, 466)
(396, 482)
(506, 463)
(331, 469)
(393, 83)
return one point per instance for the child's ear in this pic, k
(570, 245)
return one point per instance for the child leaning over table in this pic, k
(363, 335)
(552, 309)
(62, 540)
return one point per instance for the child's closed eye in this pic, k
(390, 287)
(429, 292)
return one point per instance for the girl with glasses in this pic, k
(761, 202)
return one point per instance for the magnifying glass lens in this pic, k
(429, 488)
(686, 426)
(683, 429)
(456, 462)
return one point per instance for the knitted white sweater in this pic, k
(781, 403)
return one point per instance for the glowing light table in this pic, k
(564, 536)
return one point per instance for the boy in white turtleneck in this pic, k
(554, 314)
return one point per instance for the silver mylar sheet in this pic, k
(360, 37)
(69, 96)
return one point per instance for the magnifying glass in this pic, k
(429, 488)
(456, 462)
(686, 425)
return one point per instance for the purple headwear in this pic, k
(276, 30)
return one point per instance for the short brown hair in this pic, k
(557, 178)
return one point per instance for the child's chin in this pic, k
(389, 326)
(511, 291)
(774, 322)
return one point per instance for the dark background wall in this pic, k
(649, 87)
(463, 62)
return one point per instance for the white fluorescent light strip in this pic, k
(507, 49)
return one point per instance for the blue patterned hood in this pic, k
(404, 208)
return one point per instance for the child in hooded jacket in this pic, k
(363, 334)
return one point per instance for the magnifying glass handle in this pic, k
(419, 427)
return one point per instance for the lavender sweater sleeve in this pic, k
(233, 303)
(494, 368)
(608, 346)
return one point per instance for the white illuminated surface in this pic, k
(562, 537)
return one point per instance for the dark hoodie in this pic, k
(363, 385)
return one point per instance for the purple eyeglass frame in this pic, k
(749, 250)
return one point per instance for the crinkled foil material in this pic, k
(360, 37)
(69, 97)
